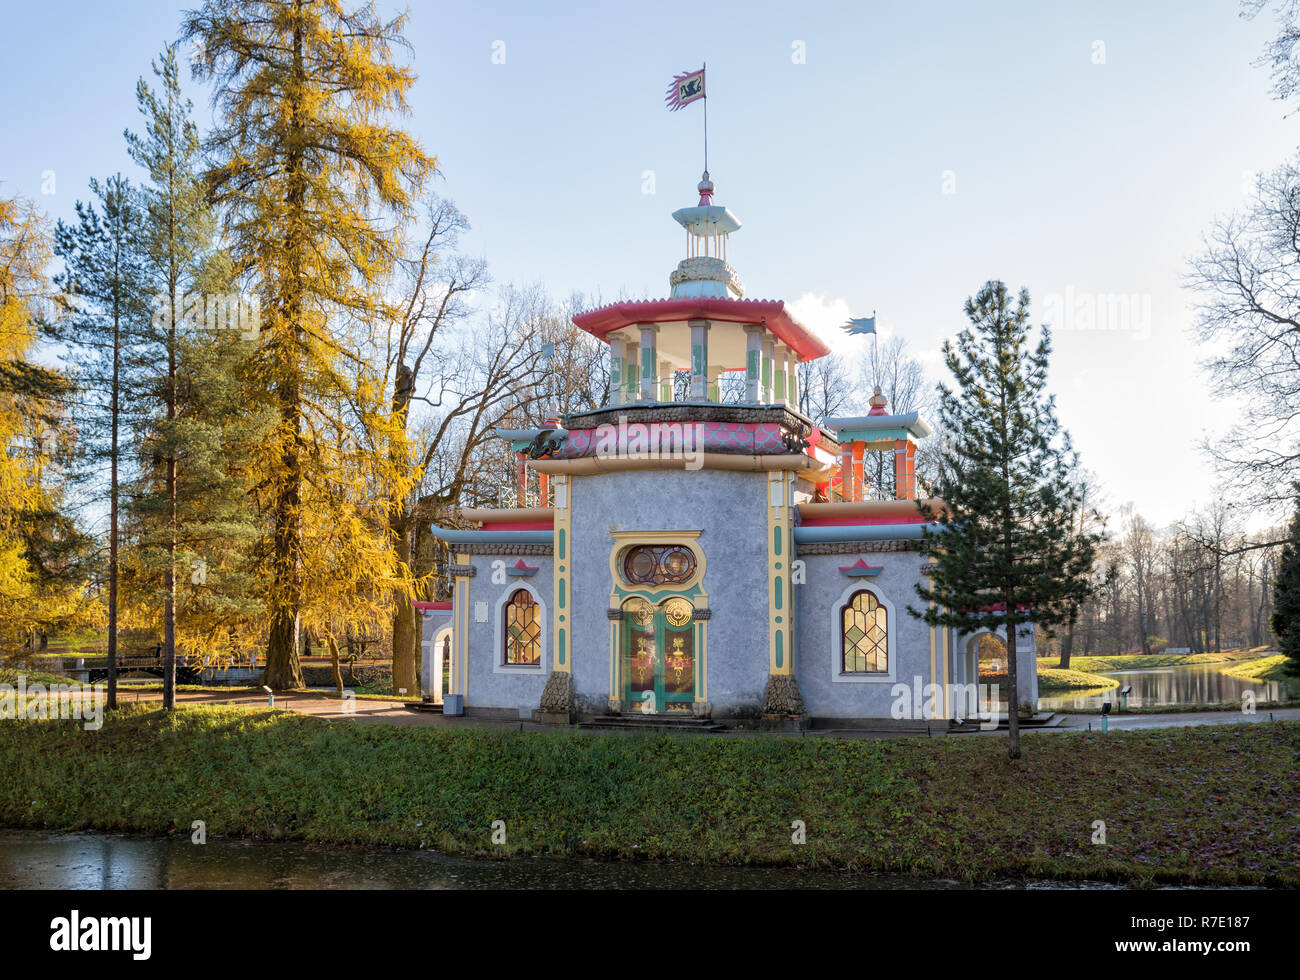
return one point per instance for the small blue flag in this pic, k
(861, 324)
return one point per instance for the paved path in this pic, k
(393, 713)
(1181, 719)
(322, 706)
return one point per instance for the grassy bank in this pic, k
(1266, 669)
(1180, 805)
(1072, 680)
(1140, 661)
(11, 676)
(1057, 682)
(1194, 707)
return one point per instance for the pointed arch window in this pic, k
(523, 632)
(864, 635)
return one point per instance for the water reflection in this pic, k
(1189, 684)
(48, 859)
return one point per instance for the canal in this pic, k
(83, 860)
(1162, 686)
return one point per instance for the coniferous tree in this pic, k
(1286, 599)
(1006, 552)
(105, 307)
(310, 180)
(191, 498)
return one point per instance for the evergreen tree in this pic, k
(311, 182)
(1286, 598)
(196, 434)
(105, 306)
(1007, 551)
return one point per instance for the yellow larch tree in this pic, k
(311, 179)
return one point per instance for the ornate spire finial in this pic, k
(706, 191)
(878, 403)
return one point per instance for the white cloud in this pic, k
(824, 317)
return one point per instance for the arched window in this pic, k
(864, 635)
(523, 635)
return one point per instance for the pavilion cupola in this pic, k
(705, 342)
(704, 271)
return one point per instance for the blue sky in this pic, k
(913, 152)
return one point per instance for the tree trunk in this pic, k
(334, 662)
(1067, 648)
(405, 675)
(1013, 694)
(169, 575)
(283, 666)
(112, 510)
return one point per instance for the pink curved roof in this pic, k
(771, 313)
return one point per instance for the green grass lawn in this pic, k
(1195, 805)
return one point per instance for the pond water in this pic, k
(1188, 684)
(79, 860)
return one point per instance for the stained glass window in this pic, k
(658, 564)
(865, 635)
(523, 630)
(678, 611)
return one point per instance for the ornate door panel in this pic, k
(658, 655)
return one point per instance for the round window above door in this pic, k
(669, 564)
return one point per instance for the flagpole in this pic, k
(704, 72)
(874, 359)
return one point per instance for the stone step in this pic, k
(1046, 720)
(426, 706)
(651, 723)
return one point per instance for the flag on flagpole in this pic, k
(861, 324)
(685, 89)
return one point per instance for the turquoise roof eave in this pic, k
(456, 536)
(521, 439)
(705, 219)
(868, 427)
(824, 534)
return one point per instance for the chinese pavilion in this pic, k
(698, 547)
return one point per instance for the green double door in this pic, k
(658, 655)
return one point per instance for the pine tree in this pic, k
(1286, 598)
(105, 307)
(195, 433)
(1006, 552)
(306, 172)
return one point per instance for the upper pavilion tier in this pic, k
(704, 328)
